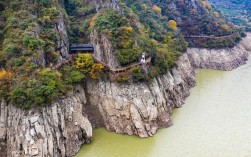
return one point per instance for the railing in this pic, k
(121, 69)
(114, 70)
(64, 61)
(211, 37)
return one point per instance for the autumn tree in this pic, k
(226, 27)
(97, 70)
(4, 82)
(125, 36)
(144, 6)
(157, 9)
(84, 62)
(172, 24)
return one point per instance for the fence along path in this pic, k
(211, 37)
(115, 70)
(121, 69)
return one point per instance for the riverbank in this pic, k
(139, 109)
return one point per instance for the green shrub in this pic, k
(17, 61)
(123, 78)
(12, 50)
(126, 56)
(46, 87)
(20, 97)
(72, 75)
(138, 74)
(111, 20)
(32, 43)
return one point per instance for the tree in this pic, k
(96, 71)
(84, 62)
(72, 75)
(172, 24)
(157, 9)
(5, 78)
(126, 56)
(138, 74)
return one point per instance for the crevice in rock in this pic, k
(94, 115)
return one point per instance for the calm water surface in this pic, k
(214, 122)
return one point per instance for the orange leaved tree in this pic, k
(5, 78)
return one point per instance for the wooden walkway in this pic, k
(121, 69)
(64, 61)
(114, 70)
(211, 37)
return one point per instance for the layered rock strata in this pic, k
(55, 131)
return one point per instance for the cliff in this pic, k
(60, 128)
(140, 109)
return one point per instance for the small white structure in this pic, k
(143, 59)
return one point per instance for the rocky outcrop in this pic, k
(62, 43)
(103, 49)
(142, 108)
(113, 4)
(55, 131)
(221, 59)
(246, 42)
(218, 59)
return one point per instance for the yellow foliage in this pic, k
(226, 27)
(96, 71)
(216, 14)
(172, 24)
(155, 42)
(5, 78)
(84, 62)
(2, 73)
(126, 43)
(5, 75)
(143, 31)
(126, 35)
(92, 23)
(144, 6)
(205, 3)
(157, 9)
(127, 31)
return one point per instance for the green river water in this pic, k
(215, 121)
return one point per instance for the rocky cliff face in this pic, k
(247, 42)
(140, 109)
(55, 131)
(103, 49)
(219, 59)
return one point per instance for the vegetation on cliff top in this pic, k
(31, 39)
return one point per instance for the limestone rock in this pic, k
(47, 131)
(142, 108)
(221, 59)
